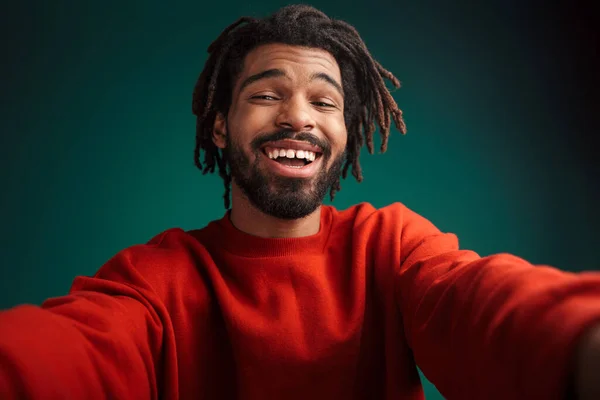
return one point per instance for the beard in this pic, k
(279, 196)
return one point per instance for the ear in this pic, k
(219, 131)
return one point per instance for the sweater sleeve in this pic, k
(103, 340)
(495, 327)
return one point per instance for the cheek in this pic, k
(248, 115)
(339, 134)
(249, 122)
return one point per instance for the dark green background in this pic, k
(98, 135)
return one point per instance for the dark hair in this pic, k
(367, 100)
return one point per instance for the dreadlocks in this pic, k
(367, 99)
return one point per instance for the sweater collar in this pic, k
(223, 234)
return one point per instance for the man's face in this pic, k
(285, 135)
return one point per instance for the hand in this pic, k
(587, 368)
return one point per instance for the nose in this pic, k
(296, 115)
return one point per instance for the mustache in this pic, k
(260, 140)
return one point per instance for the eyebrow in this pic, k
(326, 78)
(278, 73)
(270, 73)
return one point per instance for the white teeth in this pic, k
(290, 153)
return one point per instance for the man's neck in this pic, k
(247, 218)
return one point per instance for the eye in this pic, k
(264, 97)
(323, 104)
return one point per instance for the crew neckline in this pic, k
(223, 234)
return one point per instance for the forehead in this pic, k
(299, 59)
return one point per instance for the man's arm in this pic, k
(105, 340)
(495, 327)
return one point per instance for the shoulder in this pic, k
(366, 213)
(396, 220)
(170, 245)
(168, 257)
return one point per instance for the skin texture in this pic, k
(587, 370)
(299, 101)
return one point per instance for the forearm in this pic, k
(587, 365)
(85, 345)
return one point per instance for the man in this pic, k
(286, 298)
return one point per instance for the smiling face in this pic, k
(285, 135)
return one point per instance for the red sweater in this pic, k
(346, 313)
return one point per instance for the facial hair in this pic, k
(278, 196)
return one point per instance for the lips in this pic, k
(304, 172)
(293, 145)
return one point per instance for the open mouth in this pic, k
(293, 158)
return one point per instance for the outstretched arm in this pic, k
(104, 340)
(495, 327)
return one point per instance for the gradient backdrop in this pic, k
(97, 133)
